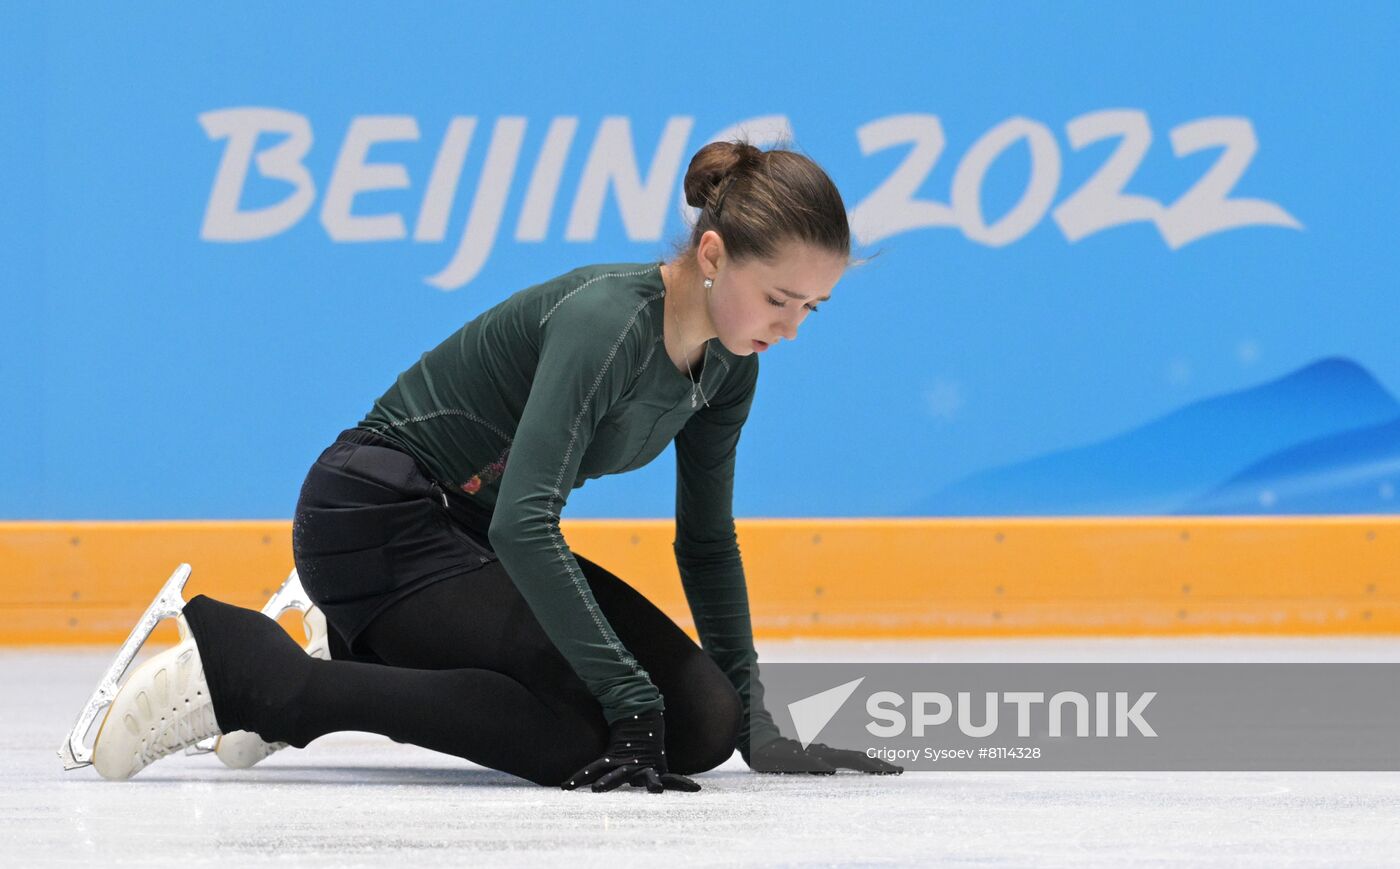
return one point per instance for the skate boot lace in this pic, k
(182, 726)
(183, 731)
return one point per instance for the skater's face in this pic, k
(757, 303)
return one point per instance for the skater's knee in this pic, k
(712, 737)
(702, 731)
(552, 762)
(727, 721)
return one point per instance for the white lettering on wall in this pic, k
(892, 207)
(1204, 209)
(442, 184)
(613, 161)
(488, 205)
(353, 175)
(1101, 202)
(533, 224)
(223, 221)
(610, 170)
(1044, 181)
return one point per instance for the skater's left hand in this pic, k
(783, 755)
(635, 755)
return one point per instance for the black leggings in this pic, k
(460, 665)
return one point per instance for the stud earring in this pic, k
(709, 283)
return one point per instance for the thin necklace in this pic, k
(694, 385)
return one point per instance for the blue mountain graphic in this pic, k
(1168, 463)
(1356, 471)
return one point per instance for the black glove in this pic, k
(636, 755)
(788, 755)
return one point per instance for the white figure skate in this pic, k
(241, 749)
(161, 709)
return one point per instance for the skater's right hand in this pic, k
(636, 755)
(788, 755)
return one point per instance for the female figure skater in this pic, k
(428, 534)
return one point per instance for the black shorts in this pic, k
(372, 527)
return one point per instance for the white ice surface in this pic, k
(360, 800)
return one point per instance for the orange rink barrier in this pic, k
(87, 582)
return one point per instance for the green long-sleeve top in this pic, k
(563, 382)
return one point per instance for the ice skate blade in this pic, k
(75, 752)
(290, 595)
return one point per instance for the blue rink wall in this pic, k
(1132, 259)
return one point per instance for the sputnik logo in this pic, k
(811, 714)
